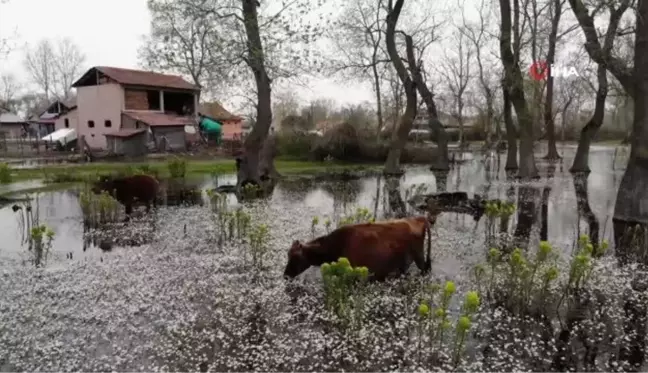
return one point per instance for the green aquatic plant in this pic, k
(314, 224)
(327, 225)
(177, 167)
(229, 224)
(40, 243)
(98, 208)
(5, 173)
(536, 283)
(258, 246)
(250, 191)
(434, 317)
(360, 215)
(343, 290)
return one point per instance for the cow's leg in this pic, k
(129, 211)
(418, 255)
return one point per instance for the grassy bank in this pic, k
(74, 172)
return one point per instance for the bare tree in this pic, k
(457, 73)
(185, 40)
(631, 209)
(514, 86)
(442, 162)
(615, 65)
(478, 34)
(555, 11)
(39, 62)
(270, 44)
(359, 38)
(54, 68)
(399, 136)
(9, 90)
(317, 110)
(393, 101)
(581, 160)
(69, 65)
(285, 103)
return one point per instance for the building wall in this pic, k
(135, 99)
(11, 130)
(128, 122)
(99, 104)
(133, 146)
(232, 129)
(72, 120)
(175, 136)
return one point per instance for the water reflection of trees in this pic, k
(395, 203)
(344, 193)
(584, 209)
(544, 207)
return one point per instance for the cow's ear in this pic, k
(296, 247)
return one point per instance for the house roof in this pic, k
(125, 133)
(154, 119)
(216, 111)
(138, 77)
(69, 103)
(10, 118)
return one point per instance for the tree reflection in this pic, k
(583, 206)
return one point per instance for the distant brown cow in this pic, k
(385, 248)
(130, 189)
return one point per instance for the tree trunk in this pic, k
(514, 84)
(631, 209)
(550, 125)
(602, 54)
(397, 207)
(378, 97)
(581, 160)
(250, 161)
(584, 208)
(511, 133)
(399, 137)
(442, 161)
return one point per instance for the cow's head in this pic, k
(103, 183)
(297, 260)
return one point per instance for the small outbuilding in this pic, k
(128, 142)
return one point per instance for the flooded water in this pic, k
(302, 200)
(174, 302)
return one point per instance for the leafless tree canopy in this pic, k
(54, 65)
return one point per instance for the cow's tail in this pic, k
(428, 259)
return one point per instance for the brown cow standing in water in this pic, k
(130, 189)
(385, 248)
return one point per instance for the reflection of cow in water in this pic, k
(128, 190)
(451, 202)
(385, 248)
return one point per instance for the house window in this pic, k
(91, 124)
(67, 123)
(108, 123)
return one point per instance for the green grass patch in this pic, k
(79, 172)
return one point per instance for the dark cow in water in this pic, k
(128, 190)
(385, 248)
(451, 202)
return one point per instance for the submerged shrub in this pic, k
(98, 208)
(177, 167)
(343, 290)
(5, 173)
(341, 142)
(40, 243)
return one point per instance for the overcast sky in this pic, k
(109, 32)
